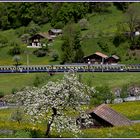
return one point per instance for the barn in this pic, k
(104, 116)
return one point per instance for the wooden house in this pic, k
(55, 32)
(104, 116)
(112, 59)
(97, 57)
(35, 40)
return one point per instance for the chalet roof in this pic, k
(56, 30)
(43, 35)
(111, 116)
(97, 53)
(101, 54)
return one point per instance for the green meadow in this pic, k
(130, 110)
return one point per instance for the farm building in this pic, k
(104, 116)
(35, 40)
(55, 32)
(97, 57)
(112, 59)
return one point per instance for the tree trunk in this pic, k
(50, 123)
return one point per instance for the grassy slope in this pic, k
(6, 59)
(101, 26)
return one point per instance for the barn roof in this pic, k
(101, 54)
(111, 116)
(115, 56)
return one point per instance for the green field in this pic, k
(113, 80)
(129, 109)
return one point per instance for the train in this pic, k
(68, 67)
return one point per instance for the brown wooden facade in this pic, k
(100, 58)
(35, 40)
(96, 58)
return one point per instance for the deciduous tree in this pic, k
(54, 100)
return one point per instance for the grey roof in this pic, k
(115, 56)
(56, 30)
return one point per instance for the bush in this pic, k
(118, 39)
(103, 44)
(17, 116)
(38, 81)
(39, 53)
(1, 94)
(33, 28)
(15, 51)
(25, 38)
(102, 95)
(14, 90)
(35, 133)
(84, 24)
(55, 56)
(124, 91)
(23, 134)
(121, 5)
(59, 25)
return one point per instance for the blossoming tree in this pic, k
(55, 100)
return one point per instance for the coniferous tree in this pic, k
(71, 47)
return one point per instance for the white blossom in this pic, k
(62, 95)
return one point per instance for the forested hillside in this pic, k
(87, 28)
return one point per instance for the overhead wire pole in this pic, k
(27, 63)
(102, 63)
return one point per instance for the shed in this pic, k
(55, 32)
(104, 116)
(112, 59)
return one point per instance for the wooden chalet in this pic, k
(112, 59)
(104, 116)
(35, 40)
(97, 57)
(55, 32)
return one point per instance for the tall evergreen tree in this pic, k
(71, 47)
